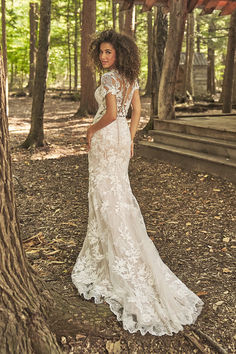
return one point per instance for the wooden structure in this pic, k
(226, 7)
(199, 74)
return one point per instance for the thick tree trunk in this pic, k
(159, 43)
(36, 134)
(23, 327)
(87, 101)
(234, 85)
(229, 67)
(148, 88)
(129, 25)
(211, 61)
(166, 98)
(33, 16)
(76, 8)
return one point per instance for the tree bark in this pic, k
(4, 49)
(121, 19)
(166, 98)
(159, 43)
(189, 55)
(113, 15)
(198, 35)
(36, 134)
(229, 67)
(68, 44)
(23, 327)
(76, 8)
(148, 87)
(234, 85)
(129, 25)
(33, 16)
(87, 101)
(211, 61)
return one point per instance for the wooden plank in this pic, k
(228, 9)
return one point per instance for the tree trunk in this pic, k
(198, 35)
(234, 85)
(113, 15)
(4, 49)
(121, 19)
(129, 25)
(148, 88)
(87, 101)
(166, 98)
(68, 43)
(76, 8)
(33, 16)
(229, 67)
(211, 61)
(36, 134)
(159, 43)
(23, 327)
(188, 75)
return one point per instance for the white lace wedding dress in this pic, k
(118, 262)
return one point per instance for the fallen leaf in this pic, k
(226, 239)
(217, 304)
(202, 293)
(216, 190)
(227, 270)
(188, 224)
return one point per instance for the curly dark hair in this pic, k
(127, 53)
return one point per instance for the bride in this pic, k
(118, 263)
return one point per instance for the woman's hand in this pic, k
(132, 149)
(90, 133)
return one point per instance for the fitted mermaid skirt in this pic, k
(118, 262)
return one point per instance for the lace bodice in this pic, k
(113, 82)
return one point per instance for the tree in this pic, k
(76, 8)
(211, 59)
(36, 134)
(234, 86)
(166, 98)
(23, 327)
(87, 101)
(159, 43)
(150, 48)
(229, 67)
(189, 55)
(4, 47)
(33, 15)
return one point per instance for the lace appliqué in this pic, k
(118, 262)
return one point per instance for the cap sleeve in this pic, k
(136, 85)
(108, 83)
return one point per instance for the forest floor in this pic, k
(190, 216)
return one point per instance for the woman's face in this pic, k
(107, 55)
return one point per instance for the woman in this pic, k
(118, 262)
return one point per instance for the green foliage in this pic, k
(63, 32)
(217, 38)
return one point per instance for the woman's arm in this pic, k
(135, 117)
(107, 118)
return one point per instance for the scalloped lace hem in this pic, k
(133, 326)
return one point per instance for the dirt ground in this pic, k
(190, 216)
